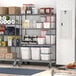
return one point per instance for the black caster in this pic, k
(19, 63)
(49, 65)
(15, 62)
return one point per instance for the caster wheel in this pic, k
(19, 63)
(14, 64)
(28, 63)
(49, 65)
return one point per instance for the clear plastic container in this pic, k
(41, 40)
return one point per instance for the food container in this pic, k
(4, 43)
(39, 25)
(23, 9)
(0, 43)
(53, 18)
(46, 24)
(52, 39)
(48, 39)
(14, 10)
(25, 53)
(45, 50)
(34, 10)
(43, 33)
(2, 27)
(1, 38)
(28, 8)
(35, 53)
(42, 18)
(48, 10)
(42, 10)
(53, 25)
(48, 18)
(41, 40)
(10, 38)
(1, 32)
(26, 24)
(10, 55)
(45, 56)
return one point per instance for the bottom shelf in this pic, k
(9, 59)
(44, 61)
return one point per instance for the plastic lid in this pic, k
(47, 22)
(28, 4)
(41, 37)
(44, 30)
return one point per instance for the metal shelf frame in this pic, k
(20, 60)
(45, 45)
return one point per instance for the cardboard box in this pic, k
(2, 55)
(3, 10)
(5, 50)
(14, 10)
(10, 55)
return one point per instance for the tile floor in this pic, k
(45, 73)
(22, 66)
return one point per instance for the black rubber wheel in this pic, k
(15, 62)
(19, 63)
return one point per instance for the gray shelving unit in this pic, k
(38, 45)
(17, 49)
(15, 25)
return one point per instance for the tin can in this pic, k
(4, 43)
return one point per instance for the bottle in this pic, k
(13, 42)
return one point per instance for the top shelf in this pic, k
(23, 14)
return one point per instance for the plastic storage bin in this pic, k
(25, 52)
(45, 50)
(41, 40)
(39, 25)
(46, 24)
(52, 24)
(53, 18)
(43, 33)
(50, 39)
(35, 53)
(53, 39)
(45, 56)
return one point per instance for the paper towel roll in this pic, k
(9, 22)
(4, 17)
(0, 21)
(13, 21)
(5, 21)
(0, 18)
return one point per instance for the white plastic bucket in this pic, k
(35, 53)
(46, 24)
(45, 56)
(45, 50)
(41, 40)
(43, 33)
(39, 25)
(25, 52)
